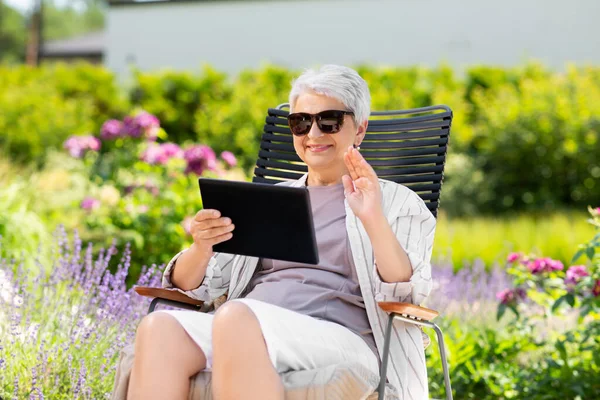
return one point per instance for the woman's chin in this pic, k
(319, 162)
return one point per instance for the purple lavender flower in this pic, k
(108, 304)
(89, 203)
(77, 146)
(575, 273)
(229, 158)
(511, 296)
(111, 129)
(200, 158)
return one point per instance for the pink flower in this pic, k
(111, 129)
(89, 203)
(200, 157)
(171, 150)
(142, 124)
(131, 128)
(574, 273)
(545, 264)
(596, 289)
(596, 211)
(161, 154)
(511, 296)
(148, 124)
(512, 257)
(77, 146)
(229, 158)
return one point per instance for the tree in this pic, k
(13, 34)
(75, 19)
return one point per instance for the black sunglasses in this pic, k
(329, 121)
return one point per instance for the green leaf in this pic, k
(570, 299)
(577, 255)
(501, 311)
(590, 252)
(557, 303)
(514, 309)
(585, 311)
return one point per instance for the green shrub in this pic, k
(537, 142)
(522, 138)
(41, 107)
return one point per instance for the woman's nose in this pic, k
(315, 132)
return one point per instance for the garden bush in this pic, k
(41, 107)
(543, 343)
(141, 191)
(523, 138)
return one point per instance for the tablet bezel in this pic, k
(267, 237)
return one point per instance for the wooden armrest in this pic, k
(409, 309)
(167, 294)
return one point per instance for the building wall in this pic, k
(232, 35)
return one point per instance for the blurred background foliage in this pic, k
(523, 139)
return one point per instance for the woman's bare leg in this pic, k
(242, 368)
(165, 359)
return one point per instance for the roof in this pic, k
(90, 43)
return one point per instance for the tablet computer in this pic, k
(271, 221)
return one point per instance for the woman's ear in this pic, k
(360, 134)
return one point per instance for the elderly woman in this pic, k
(374, 239)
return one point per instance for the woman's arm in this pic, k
(392, 263)
(196, 270)
(401, 247)
(190, 268)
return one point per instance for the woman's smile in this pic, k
(318, 148)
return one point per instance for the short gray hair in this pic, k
(341, 83)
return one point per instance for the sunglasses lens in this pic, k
(300, 123)
(330, 121)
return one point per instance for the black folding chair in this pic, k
(407, 147)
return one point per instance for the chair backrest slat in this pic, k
(406, 146)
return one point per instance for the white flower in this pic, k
(6, 290)
(18, 301)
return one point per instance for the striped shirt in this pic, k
(414, 226)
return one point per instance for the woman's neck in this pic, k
(328, 178)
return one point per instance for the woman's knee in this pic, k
(161, 331)
(234, 319)
(157, 326)
(161, 336)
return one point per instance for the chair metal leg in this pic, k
(386, 350)
(173, 303)
(442, 347)
(386, 356)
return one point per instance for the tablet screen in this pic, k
(271, 221)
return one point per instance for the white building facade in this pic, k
(233, 35)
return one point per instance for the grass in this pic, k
(490, 239)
